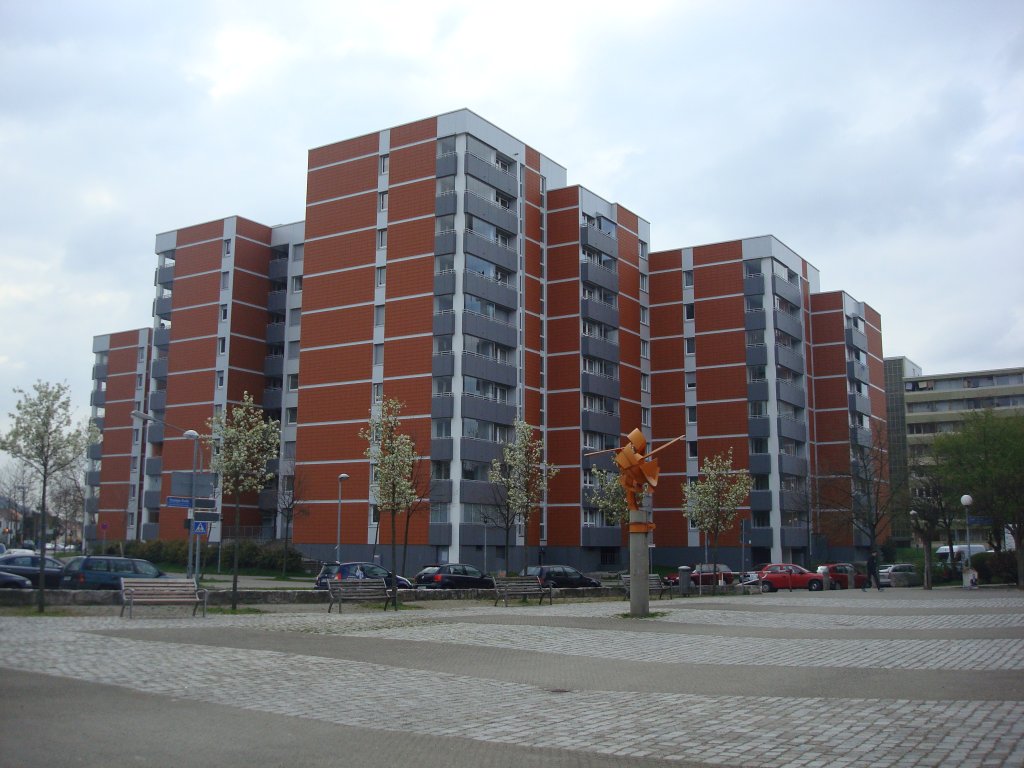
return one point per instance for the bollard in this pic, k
(825, 582)
(684, 580)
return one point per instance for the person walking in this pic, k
(872, 573)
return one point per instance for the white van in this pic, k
(960, 552)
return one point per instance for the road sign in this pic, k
(206, 517)
(179, 501)
(206, 503)
(200, 527)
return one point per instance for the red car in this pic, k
(776, 576)
(840, 574)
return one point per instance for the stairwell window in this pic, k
(382, 238)
(297, 284)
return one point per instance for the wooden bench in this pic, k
(521, 586)
(161, 592)
(654, 584)
(342, 590)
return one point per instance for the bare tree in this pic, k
(859, 494)
(289, 505)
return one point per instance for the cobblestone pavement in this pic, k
(696, 727)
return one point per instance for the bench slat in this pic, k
(360, 589)
(521, 586)
(161, 592)
(654, 584)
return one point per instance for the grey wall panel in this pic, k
(492, 370)
(487, 410)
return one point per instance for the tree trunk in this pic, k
(284, 555)
(405, 541)
(42, 543)
(927, 536)
(394, 557)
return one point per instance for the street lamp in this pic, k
(192, 435)
(966, 501)
(337, 549)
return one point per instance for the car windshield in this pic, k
(430, 570)
(532, 570)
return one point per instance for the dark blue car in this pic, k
(105, 572)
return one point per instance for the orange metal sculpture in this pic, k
(636, 470)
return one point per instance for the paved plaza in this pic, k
(898, 678)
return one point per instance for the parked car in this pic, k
(28, 566)
(703, 574)
(105, 572)
(899, 575)
(13, 581)
(338, 571)
(776, 576)
(452, 576)
(559, 576)
(840, 576)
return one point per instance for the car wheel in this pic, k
(814, 586)
(766, 586)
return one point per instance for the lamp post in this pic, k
(966, 501)
(192, 435)
(337, 548)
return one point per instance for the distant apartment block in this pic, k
(448, 265)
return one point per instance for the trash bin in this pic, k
(684, 579)
(826, 585)
(970, 578)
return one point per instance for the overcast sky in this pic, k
(882, 141)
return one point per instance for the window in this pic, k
(757, 408)
(645, 316)
(378, 392)
(759, 445)
(688, 278)
(757, 373)
(291, 415)
(385, 162)
(222, 345)
(691, 346)
(297, 284)
(691, 414)
(689, 313)
(227, 247)
(293, 381)
(755, 338)
(381, 276)
(138, 383)
(442, 385)
(142, 354)
(220, 379)
(754, 303)
(645, 349)
(643, 283)
(442, 345)
(378, 315)
(645, 417)
(382, 238)
(135, 435)
(645, 382)
(439, 513)
(691, 449)
(289, 449)
(446, 146)
(691, 381)
(382, 201)
(225, 279)
(441, 428)
(378, 354)
(440, 470)
(223, 311)
(644, 249)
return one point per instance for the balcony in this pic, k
(753, 285)
(159, 369)
(490, 329)
(501, 293)
(162, 336)
(759, 426)
(599, 385)
(98, 398)
(478, 492)
(492, 174)
(278, 269)
(447, 165)
(489, 250)
(479, 450)
(162, 307)
(791, 393)
(789, 323)
(794, 536)
(155, 432)
(273, 365)
(793, 429)
(757, 355)
(268, 500)
(440, 491)
(860, 436)
(754, 320)
(856, 339)
(478, 534)
(857, 371)
(92, 505)
(760, 501)
(151, 499)
(444, 242)
(499, 216)
(474, 407)
(792, 465)
(608, 423)
(442, 407)
(94, 451)
(760, 464)
(165, 276)
(789, 358)
(157, 400)
(488, 368)
(444, 283)
(446, 204)
(275, 333)
(601, 536)
(859, 404)
(92, 478)
(154, 466)
(787, 290)
(600, 276)
(592, 237)
(599, 311)
(441, 448)
(99, 372)
(439, 534)
(594, 346)
(277, 301)
(272, 399)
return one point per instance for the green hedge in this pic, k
(251, 554)
(995, 567)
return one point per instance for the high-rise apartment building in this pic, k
(447, 265)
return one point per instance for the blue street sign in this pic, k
(978, 520)
(200, 528)
(179, 501)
